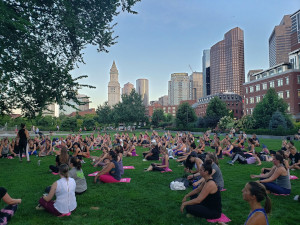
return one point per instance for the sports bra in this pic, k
(257, 210)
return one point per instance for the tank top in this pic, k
(65, 195)
(5, 150)
(23, 138)
(165, 163)
(115, 172)
(257, 210)
(213, 201)
(284, 181)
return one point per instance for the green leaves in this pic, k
(185, 115)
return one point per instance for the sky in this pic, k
(169, 36)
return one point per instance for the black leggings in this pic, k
(54, 168)
(202, 211)
(22, 148)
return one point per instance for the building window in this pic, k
(265, 86)
(257, 99)
(251, 89)
(298, 79)
(279, 82)
(287, 81)
(251, 100)
(257, 87)
(247, 111)
(246, 100)
(246, 90)
(287, 94)
(280, 94)
(272, 84)
(298, 93)
(289, 108)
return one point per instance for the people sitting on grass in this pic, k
(99, 161)
(64, 190)
(77, 174)
(216, 172)
(77, 151)
(227, 150)
(5, 149)
(46, 149)
(63, 158)
(285, 162)
(164, 165)
(153, 154)
(180, 149)
(111, 172)
(294, 159)
(85, 149)
(119, 151)
(255, 140)
(31, 148)
(243, 158)
(277, 180)
(205, 201)
(12, 204)
(254, 193)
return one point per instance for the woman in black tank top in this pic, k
(210, 207)
(23, 136)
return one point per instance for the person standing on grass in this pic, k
(208, 202)
(10, 209)
(23, 136)
(64, 190)
(254, 193)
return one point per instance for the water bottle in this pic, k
(39, 162)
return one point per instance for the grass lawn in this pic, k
(147, 199)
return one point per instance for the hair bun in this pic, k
(208, 162)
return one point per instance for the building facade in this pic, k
(250, 73)
(196, 86)
(280, 42)
(285, 80)
(227, 69)
(84, 99)
(205, 67)
(295, 31)
(163, 100)
(128, 87)
(114, 96)
(142, 88)
(233, 102)
(178, 89)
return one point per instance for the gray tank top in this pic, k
(218, 177)
(5, 150)
(284, 181)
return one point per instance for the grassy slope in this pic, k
(146, 200)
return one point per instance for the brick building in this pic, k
(233, 102)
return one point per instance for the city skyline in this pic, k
(166, 37)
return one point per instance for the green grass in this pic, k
(147, 199)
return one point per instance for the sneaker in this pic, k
(230, 162)
(296, 198)
(39, 207)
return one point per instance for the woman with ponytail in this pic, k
(277, 180)
(254, 193)
(206, 199)
(64, 190)
(77, 174)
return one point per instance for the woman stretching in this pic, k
(110, 173)
(254, 193)
(164, 165)
(64, 189)
(208, 203)
(278, 179)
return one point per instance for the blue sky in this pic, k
(166, 36)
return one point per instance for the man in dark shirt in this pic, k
(294, 159)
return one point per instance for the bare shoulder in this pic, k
(258, 218)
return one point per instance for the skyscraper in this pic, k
(295, 31)
(114, 86)
(126, 90)
(178, 88)
(196, 86)
(227, 69)
(280, 42)
(142, 88)
(205, 65)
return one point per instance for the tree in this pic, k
(104, 114)
(277, 121)
(185, 115)
(270, 104)
(69, 123)
(216, 109)
(157, 117)
(42, 41)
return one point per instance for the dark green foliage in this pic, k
(89, 123)
(185, 114)
(42, 41)
(216, 109)
(104, 114)
(69, 123)
(157, 117)
(200, 122)
(277, 121)
(264, 110)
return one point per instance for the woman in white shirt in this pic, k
(64, 189)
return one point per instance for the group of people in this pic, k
(202, 167)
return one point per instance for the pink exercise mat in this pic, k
(223, 219)
(128, 167)
(54, 173)
(93, 174)
(125, 180)
(167, 170)
(292, 177)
